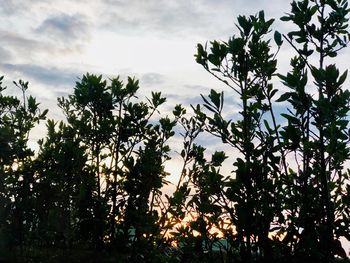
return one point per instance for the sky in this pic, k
(52, 43)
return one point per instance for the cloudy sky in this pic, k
(51, 43)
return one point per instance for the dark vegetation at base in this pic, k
(92, 192)
(90, 256)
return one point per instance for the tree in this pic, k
(317, 130)
(246, 64)
(310, 202)
(89, 114)
(126, 148)
(17, 118)
(63, 189)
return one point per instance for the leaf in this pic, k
(43, 115)
(268, 126)
(318, 74)
(284, 97)
(215, 98)
(214, 59)
(273, 92)
(278, 38)
(245, 24)
(313, 10)
(157, 99)
(286, 18)
(207, 104)
(261, 15)
(218, 157)
(209, 107)
(179, 110)
(32, 105)
(342, 78)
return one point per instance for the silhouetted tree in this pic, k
(317, 130)
(17, 118)
(246, 64)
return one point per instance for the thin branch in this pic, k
(297, 50)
